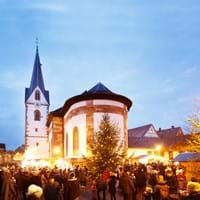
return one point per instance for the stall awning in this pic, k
(187, 157)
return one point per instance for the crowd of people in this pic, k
(39, 184)
(153, 181)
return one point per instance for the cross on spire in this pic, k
(36, 42)
(37, 78)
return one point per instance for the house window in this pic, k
(37, 95)
(37, 115)
(75, 141)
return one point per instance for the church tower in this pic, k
(36, 113)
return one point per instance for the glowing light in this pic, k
(176, 163)
(43, 163)
(153, 158)
(63, 164)
(158, 147)
(35, 163)
(56, 150)
(18, 156)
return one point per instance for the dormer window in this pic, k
(37, 95)
(37, 115)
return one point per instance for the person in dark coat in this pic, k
(112, 186)
(171, 181)
(140, 180)
(71, 188)
(52, 190)
(126, 186)
(161, 189)
(22, 182)
(101, 188)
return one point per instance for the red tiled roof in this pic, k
(171, 136)
(166, 137)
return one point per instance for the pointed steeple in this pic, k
(37, 78)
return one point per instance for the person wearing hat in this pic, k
(193, 188)
(35, 192)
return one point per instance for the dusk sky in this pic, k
(146, 50)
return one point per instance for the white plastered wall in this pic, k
(80, 122)
(108, 102)
(37, 129)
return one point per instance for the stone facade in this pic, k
(56, 141)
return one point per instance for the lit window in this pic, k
(75, 141)
(37, 115)
(37, 95)
(66, 143)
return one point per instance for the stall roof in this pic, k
(187, 157)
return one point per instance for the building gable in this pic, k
(151, 132)
(32, 99)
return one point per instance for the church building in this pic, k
(68, 131)
(72, 127)
(36, 113)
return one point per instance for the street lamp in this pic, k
(56, 151)
(158, 148)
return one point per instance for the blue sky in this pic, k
(146, 50)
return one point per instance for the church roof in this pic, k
(99, 91)
(99, 88)
(37, 79)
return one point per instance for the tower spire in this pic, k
(37, 77)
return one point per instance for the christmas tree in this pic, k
(107, 149)
(193, 141)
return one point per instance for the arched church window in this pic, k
(37, 95)
(37, 115)
(75, 141)
(66, 144)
